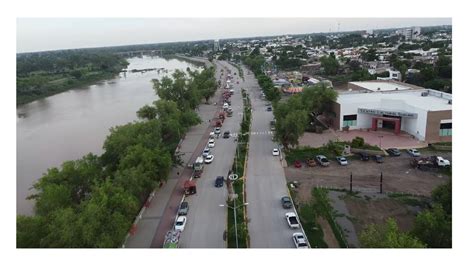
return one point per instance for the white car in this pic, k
(180, 223)
(300, 240)
(440, 161)
(342, 160)
(209, 158)
(275, 152)
(211, 143)
(414, 152)
(206, 152)
(225, 106)
(217, 130)
(292, 220)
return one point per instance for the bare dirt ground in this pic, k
(398, 176)
(376, 211)
(329, 237)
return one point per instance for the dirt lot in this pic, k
(376, 211)
(398, 176)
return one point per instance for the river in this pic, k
(71, 124)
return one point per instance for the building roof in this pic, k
(399, 100)
(381, 86)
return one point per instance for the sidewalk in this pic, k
(159, 216)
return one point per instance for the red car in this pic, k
(297, 164)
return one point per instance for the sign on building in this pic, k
(383, 112)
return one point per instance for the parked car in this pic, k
(211, 143)
(206, 152)
(322, 160)
(292, 220)
(219, 181)
(217, 130)
(378, 158)
(209, 158)
(364, 156)
(300, 241)
(342, 160)
(269, 108)
(393, 152)
(226, 134)
(414, 152)
(275, 152)
(440, 161)
(310, 162)
(297, 164)
(225, 106)
(286, 202)
(180, 223)
(183, 208)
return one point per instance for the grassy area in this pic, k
(410, 199)
(313, 230)
(239, 168)
(323, 208)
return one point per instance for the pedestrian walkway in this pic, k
(159, 214)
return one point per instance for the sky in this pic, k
(41, 34)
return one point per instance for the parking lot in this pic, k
(398, 175)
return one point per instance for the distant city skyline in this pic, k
(43, 34)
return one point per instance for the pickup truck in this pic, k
(292, 220)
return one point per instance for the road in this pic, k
(266, 182)
(206, 220)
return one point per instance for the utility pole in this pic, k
(351, 183)
(381, 178)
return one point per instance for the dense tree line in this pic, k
(92, 202)
(43, 74)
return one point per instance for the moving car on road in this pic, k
(393, 152)
(414, 152)
(286, 202)
(300, 240)
(292, 220)
(276, 152)
(226, 134)
(209, 158)
(342, 160)
(180, 223)
(269, 108)
(322, 160)
(219, 181)
(183, 208)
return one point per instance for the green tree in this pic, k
(388, 236)
(147, 112)
(434, 228)
(29, 231)
(443, 196)
(291, 127)
(330, 65)
(319, 98)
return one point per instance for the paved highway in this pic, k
(266, 182)
(206, 220)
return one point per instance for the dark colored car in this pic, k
(286, 202)
(226, 134)
(393, 152)
(364, 156)
(269, 108)
(219, 181)
(297, 164)
(183, 208)
(378, 158)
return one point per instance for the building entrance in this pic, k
(387, 122)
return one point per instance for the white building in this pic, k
(216, 46)
(424, 113)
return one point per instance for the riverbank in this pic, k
(201, 62)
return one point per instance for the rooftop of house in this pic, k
(381, 86)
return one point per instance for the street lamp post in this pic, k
(235, 219)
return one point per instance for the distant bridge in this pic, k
(141, 53)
